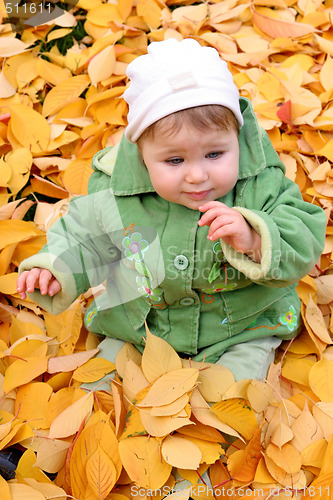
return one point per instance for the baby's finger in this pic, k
(32, 278)
(211, 204)
(44, 280)
(222, 232)
(213, 214)
(21, 284)
(54, 287)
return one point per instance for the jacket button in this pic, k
(180, 262)
(186, 301)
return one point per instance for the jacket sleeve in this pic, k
(292, 230)
(78, 252)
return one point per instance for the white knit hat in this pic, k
(174, 76)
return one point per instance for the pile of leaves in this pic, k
(162, 421)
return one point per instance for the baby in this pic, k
(189, 219)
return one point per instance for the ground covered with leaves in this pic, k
(163, 421)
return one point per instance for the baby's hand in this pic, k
(229, 225)
(37, 278)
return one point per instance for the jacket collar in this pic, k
(130, 176)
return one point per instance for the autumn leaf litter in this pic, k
(163, 419)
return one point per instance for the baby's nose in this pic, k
(196, 173)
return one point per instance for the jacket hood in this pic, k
(130, 176)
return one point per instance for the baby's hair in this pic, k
(212, 116)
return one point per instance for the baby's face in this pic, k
(192, 166)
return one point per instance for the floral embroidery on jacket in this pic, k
(90, 316)
(146, 289)
(289, 318)
(220, 287)
(135, 247)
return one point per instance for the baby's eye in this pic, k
(175, 161)
(214, 155)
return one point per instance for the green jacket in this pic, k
(159, 266)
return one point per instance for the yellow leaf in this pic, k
(316, 321)
(281, 435)
(306, 430)
(119, 407)
(321, 379)
(260, 395)
(64, 93)
(4, 489)
(133, 381)
(133, 424)
(11, 46)
(102, 65)
(93, 370)
(26, 72)
(65, 327)
(150, 12)
(277, 28)
(8, 283)
(49, 490)
(19, 432)
(101, 473)
(298, 370)
(69, 421)
(102, 15)
(326, 151)
(52, 72)
(238, 414)
(210, 451)
(170, 387)
(158, 357)
(128, 351)
(98, 432)
(125, 8)
(249, 458)
(6, 173)
(23, 491)
(6, 89)
(76, 176)
(201, 410)
(29, 347)
(51, 455)
(6, 420)
(326, 73)
(171, 409)
(23, 371)
(213, 381)
(141, 459)
(31, 404)
(323, 413)
(14, 231)
(238, 389)
(287, 458)
(161, 426)
(180, 452)
(62, 399)
(30, 128)
(48, 188)
(70, 362)
(314, 453)
(269, 86)
(27, 467)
